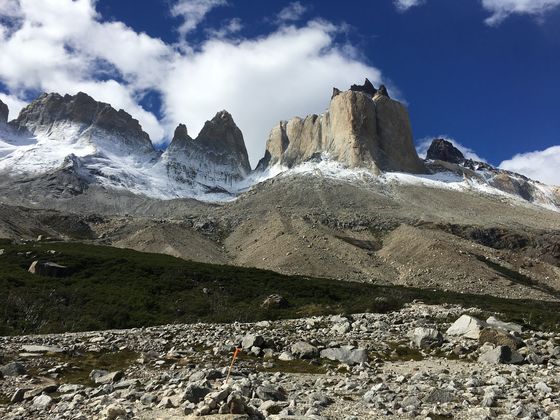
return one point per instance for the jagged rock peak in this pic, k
(181, 133)
(218, 153)
(4, 111)
(359, 130)
(441, 149)
(367, 87)
(382, 91)
(51, 108)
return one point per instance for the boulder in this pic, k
(506, 326)
(345, 354)
(103, 377)
(466, 326)
(304, 350)
(41, 402)
(274, 302)
(252, 340)
(113, 411)
(48, 269)
(426, 337)
(444, 150)
(501, 354)
(500, 338)
(12, 369)
(271, 392)
(31, 348)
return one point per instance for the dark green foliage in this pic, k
(120, 288)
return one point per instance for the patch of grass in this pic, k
(110, 288)
(83, 364)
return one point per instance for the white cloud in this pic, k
(404, 5)
(424, 144)
(292, 12)
(287, 73)
(64, 46)
(543, 165)
(14, 104)
(501, 9)
(193, 12)
(61, 46)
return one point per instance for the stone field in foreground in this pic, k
(421, 362)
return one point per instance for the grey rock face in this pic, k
(12, 369)
(4, 111)
(426, 337)
(466, 326)
(251, 340)
(345, 354)
(92, 116)
(217, 154)
(441, 149)
(304, 350)
(501, 354)
(360, 129)
(500, 338)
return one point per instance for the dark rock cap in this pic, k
(444, 150)
(181, 133)
(367, 87)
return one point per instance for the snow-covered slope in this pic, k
(78, 142)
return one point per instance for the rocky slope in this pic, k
(422, 361)
(363, 127)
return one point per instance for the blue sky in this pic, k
(481, 72)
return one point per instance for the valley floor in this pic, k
(364, 366)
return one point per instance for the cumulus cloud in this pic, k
(423, 145)
(193, 12)
(66, 47)
(287, 73)
(404, 5)
(501, 9)
(292, 12)
(542, 165)
(62, 46)
(14, 104)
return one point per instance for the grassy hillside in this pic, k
(119, 288)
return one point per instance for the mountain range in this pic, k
(341, 195)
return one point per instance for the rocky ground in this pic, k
(422, 362)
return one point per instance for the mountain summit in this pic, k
(362, 128)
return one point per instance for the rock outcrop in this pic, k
(4, 111)
(363, 128)
(55, 115)
(444, 150)
(218, 154)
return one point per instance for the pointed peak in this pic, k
(4, 111)
(441, 149)
(181, 133)
(367, 88)
(382, 91)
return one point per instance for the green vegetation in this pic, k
(82, 364)
(120, 288)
